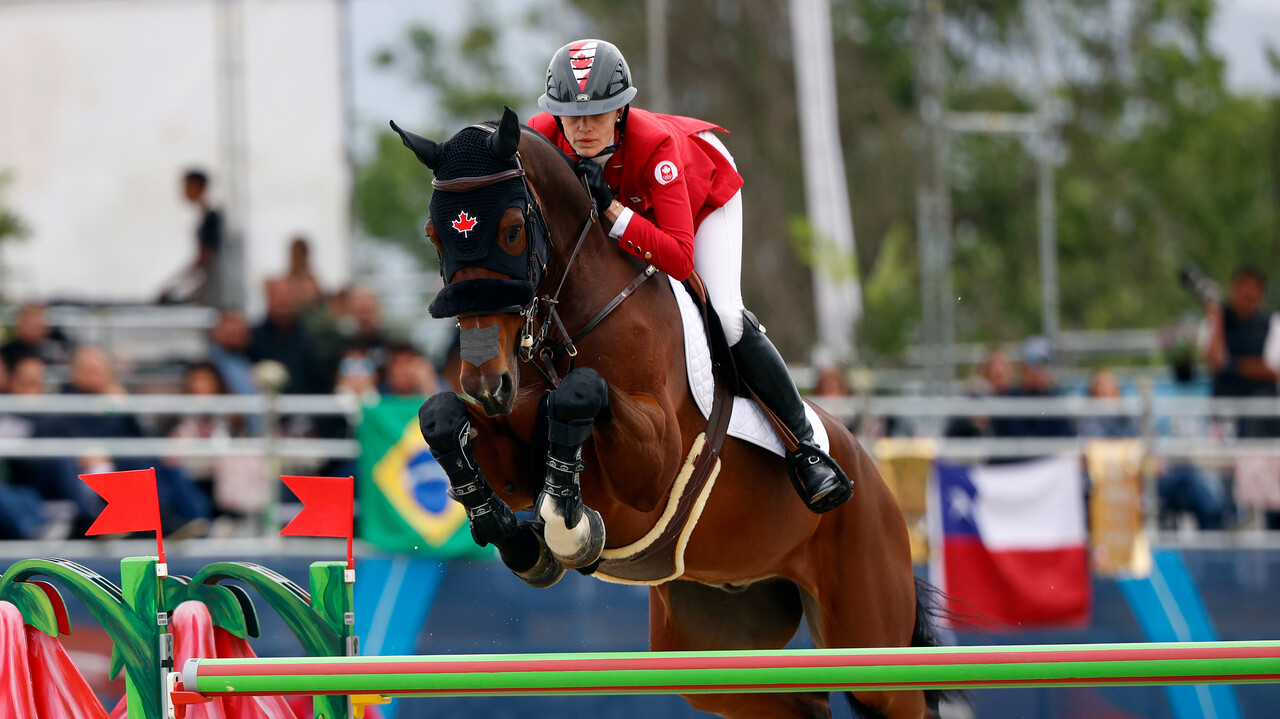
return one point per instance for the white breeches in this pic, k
(717, 255)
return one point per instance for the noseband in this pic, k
(541, 310)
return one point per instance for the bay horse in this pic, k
(596, 456)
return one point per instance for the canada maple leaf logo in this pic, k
(464, 223)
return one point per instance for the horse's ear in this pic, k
(428, 151)
(504, 142)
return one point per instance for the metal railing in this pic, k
(270, 446)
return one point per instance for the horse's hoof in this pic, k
(546, 571)
(586, 544)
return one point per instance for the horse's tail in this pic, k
(929, 608)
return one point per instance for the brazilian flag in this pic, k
(403, 492)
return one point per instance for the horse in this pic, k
(595, 453)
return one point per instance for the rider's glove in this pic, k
(594, 174)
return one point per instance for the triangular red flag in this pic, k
(328, 510)
(327, 506)
(132, 505)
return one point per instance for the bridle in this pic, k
(541, 313)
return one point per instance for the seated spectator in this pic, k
(1036, 370)
(234, 484)
(357, 378)
(229, 352)
(53, 479)
(281, 337)
(32, 337)
(1183, 487)
(366, 333)
(182, 506)
(1105, 385)
(408, 373)
(993, 380)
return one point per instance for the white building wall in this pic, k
(103, 104)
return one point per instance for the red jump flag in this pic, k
(328, 508)
(132, 505)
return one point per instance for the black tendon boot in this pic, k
(817, 478)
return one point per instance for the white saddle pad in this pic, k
(747, 421)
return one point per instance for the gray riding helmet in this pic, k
(587, 77)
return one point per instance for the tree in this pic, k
(467, 83)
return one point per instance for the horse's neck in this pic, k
(599, 272)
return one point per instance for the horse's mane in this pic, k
(543, 138)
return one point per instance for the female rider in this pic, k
(670, 194)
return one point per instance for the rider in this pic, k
(671, 195)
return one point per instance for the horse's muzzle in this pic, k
(496, 393)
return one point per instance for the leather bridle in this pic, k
(541, 314)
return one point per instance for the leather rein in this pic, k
(541, 310)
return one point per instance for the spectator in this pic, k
(1036, 370)
(408, 373)
(300, 277)
(27, 377)
(200, 282)
(367, 334)
(32, 337)
(1105, 385)
(1241, 345)
(182, 506)
(229, 341)
(995, 379)
(234, 484)
(357, 378)
(280, 337)
(55, 480)
(1182, 486)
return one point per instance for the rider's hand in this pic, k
(594, 174)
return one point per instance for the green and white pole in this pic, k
(744, 671)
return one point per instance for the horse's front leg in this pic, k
(573, 531)
(446, 427)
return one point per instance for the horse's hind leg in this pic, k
(684, 616)
(859, 590)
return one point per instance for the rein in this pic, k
(537, 345)
(541, 310)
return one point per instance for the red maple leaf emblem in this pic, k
(464, 224)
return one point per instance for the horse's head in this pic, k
(493, 247)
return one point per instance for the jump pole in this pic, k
(743, 671)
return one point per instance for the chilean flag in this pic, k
(1012, 549)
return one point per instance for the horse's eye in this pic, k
(513, 233)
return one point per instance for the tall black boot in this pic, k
(816, 477)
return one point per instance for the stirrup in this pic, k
(808, 454)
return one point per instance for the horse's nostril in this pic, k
(504, 386)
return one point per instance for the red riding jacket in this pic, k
(668, 177)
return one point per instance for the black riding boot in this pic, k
(817, 478)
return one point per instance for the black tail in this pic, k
(929, 608)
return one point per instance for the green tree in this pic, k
(1162, 165)
(466, 83)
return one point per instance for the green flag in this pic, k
(404, 504)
